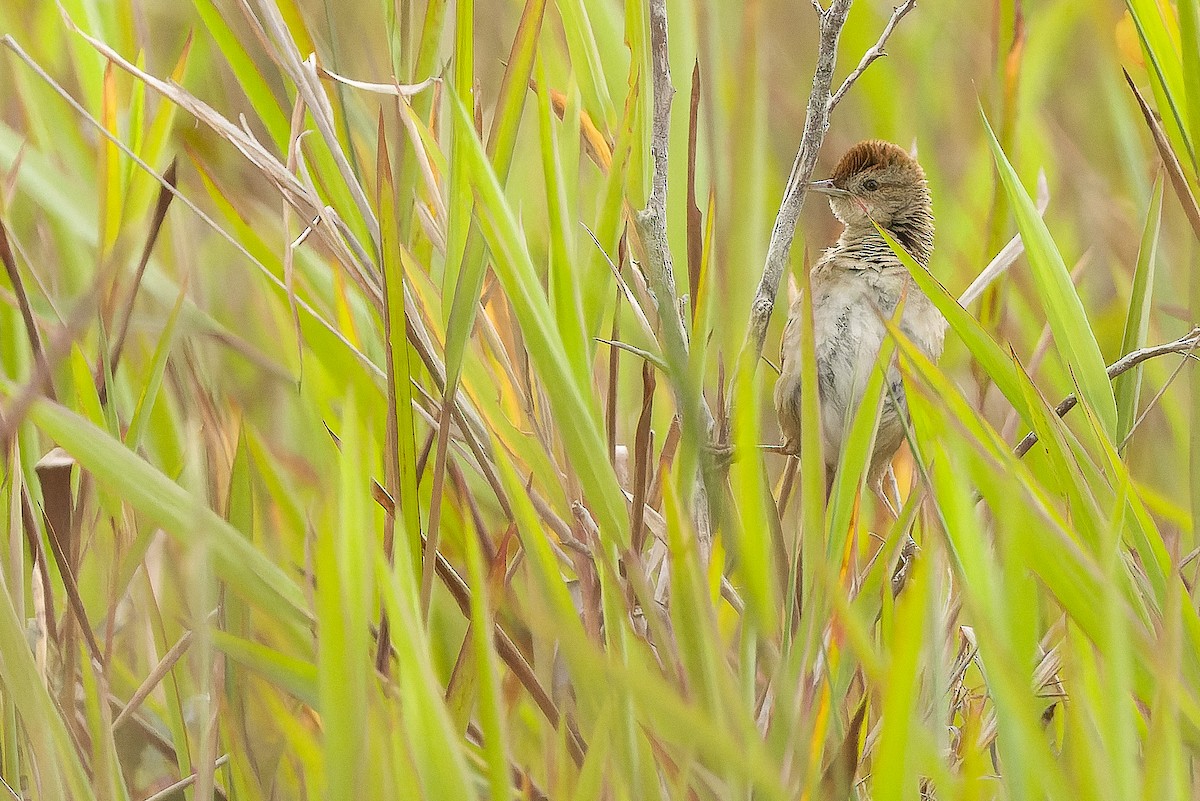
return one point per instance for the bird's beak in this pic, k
(826, 187)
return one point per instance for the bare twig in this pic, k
(875, 52)
(816, 123)
(651, 221)
(1185, 345)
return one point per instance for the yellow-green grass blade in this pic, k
(595, 283)
(344, 594)
(153, 143)
(501, 147)
(492, 713)
(808, 555)
(136, 120)
(460, 199)
(1137, 321)
(296, 676)
(400, 360)
(1075, 580)
(1073, 333)
(986, 593)
(1189, 40)
(685, 725)
(585, 60)
(1141, 533)
(583, 436)
(995, 360)
(245, 569)
(110, 183)
(752, 518)
(638, 102)
(252, 82)
(1119, 713)
(436, 750)
(106, 769)
(691, 608)
(1072, 483)
(858, 442)
(153, 381)
(893, 767)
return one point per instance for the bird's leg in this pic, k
(893, 503)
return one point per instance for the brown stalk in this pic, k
(643, 449)
(665, 457)
(838, 779)
(38, 555)
(695, 223)
(1174, 169)
(614, 365)
(156, 676)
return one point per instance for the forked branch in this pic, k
(875, 52)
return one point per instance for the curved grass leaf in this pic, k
(584, 436)
(1068, 321)
(1128, 386)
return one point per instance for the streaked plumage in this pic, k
(855, 282)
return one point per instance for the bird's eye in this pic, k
(870, 184)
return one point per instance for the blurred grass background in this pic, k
(197, 591)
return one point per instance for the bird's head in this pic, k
(880, 181)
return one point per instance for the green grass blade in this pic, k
(153, 382)
(1073, 334)
(1128, 386)
(584, 437)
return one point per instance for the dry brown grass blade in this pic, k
(165, 196)
(506, 649)
(295, 134)
(1170, 160)
(610, 398)
(838, 779)
(66, 569)
(31, 330)
(38, 555)
(665, 457)
(392, 478)
(156, 676)
(396, 89)
(303, 72)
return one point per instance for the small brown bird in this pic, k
(855, 285)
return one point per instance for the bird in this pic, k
(855, 286)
